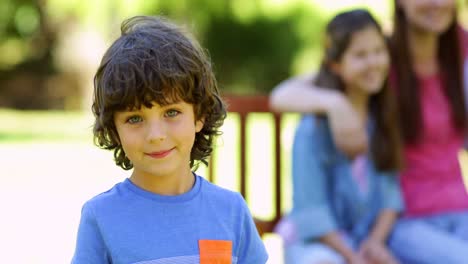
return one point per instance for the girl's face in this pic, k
(428, 15)
(364, 65)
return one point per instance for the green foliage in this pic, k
(251, 58)
(19, 26)
(254, 44)
(252, 47)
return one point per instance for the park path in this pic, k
(42, 189)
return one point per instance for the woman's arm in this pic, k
(299, 94)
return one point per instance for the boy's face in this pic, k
(158, 140)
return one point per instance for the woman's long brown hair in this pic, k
(406, 82)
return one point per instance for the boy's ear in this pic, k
(199, 124)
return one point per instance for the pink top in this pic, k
(432, 181)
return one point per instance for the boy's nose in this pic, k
(156, 131)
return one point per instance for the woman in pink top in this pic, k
(426, 48)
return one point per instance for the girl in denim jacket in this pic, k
(344, 207)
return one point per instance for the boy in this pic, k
(157, 106)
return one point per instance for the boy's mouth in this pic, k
(159, 154)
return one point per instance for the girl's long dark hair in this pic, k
(449, 57)
(385, 142)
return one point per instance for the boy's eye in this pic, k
(172, 113)
(134, 119)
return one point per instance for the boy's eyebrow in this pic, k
(128, 110)
(135, 109)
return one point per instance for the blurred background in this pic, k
(49, 50)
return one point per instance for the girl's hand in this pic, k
(376, 252)
(348, 130)
(356, 258)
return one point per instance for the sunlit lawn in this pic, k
(50, 168)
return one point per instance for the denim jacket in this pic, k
(325, 196)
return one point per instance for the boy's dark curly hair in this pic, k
(154, 61)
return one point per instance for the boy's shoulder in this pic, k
(216, 191)
(223, 200)
(106, 198)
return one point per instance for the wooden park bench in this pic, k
(244, 106)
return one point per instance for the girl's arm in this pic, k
(383, 225)
(312, 214)
(374, 248)
(334, 240)
(298, 94)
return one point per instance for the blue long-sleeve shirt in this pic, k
(326, 198)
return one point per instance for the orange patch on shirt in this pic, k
(215, 251)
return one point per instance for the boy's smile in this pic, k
(158, 141)
(160, 154)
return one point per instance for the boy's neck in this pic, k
(165, 185)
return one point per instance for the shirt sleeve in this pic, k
(391, 192)
(90, 248)
(251, 247)
(311, 215)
